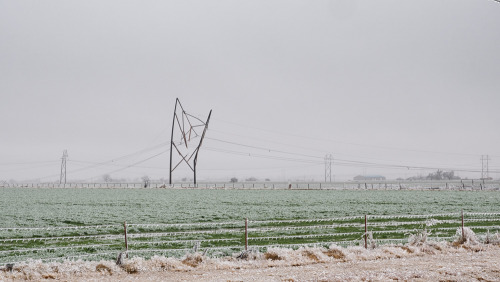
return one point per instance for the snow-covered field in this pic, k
(463, 260)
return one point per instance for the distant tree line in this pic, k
(438, 175)
(250, 179)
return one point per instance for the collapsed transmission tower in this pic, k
(187, 126)
(62, 178)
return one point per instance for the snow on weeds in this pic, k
(493, 239)
(253, 259)
(465, 236)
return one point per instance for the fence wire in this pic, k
(20, 244)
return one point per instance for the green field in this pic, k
(61, 223)
(62, 207)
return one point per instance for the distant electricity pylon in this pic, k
(485, 169)
(328, 168)
(186, 125)
(62, 179)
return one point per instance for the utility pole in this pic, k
(62, 178)
(485, 169)
(328, 167)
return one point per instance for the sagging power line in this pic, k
(319, 160)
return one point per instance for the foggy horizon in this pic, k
(388, 88)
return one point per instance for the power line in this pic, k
(262, 148)
(115, 165)
(30, 167)
(27, 163)
(260, 168)
(341, 162)
(268, 141)
(263, 156)
(142, 151)
(345, 142)
(134, 164)
(301, 147)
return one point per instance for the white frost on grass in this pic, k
(253, 261)
(493, 239)
(466, 236)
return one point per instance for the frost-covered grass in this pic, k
(415, 254)
(271, 215)
(75, 207)
(219, 239)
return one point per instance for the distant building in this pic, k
(369, 177)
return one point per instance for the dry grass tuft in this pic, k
(163, 263)
(249, 255)
(130, 268)
(311, 255)
(103, 268)
(436, 246)
(392, 253)
(407, 249)
(272, 256)
(193, 260)
(335, 253)
(426, 249)
(48, 276)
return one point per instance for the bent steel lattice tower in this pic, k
(186, 125)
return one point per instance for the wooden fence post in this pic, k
(126, 243)
(366, 231)
(463, 238)
(246, 234)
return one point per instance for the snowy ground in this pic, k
(419, 262)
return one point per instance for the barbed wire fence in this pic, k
(95, 242)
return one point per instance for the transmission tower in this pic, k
(328, 168)
(485, 169)
(187, 127)
(62, 179)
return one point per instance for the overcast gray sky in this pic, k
(394, 83)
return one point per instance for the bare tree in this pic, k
(145, 180)
(107, 178)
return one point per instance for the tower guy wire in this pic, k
(62, 178)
